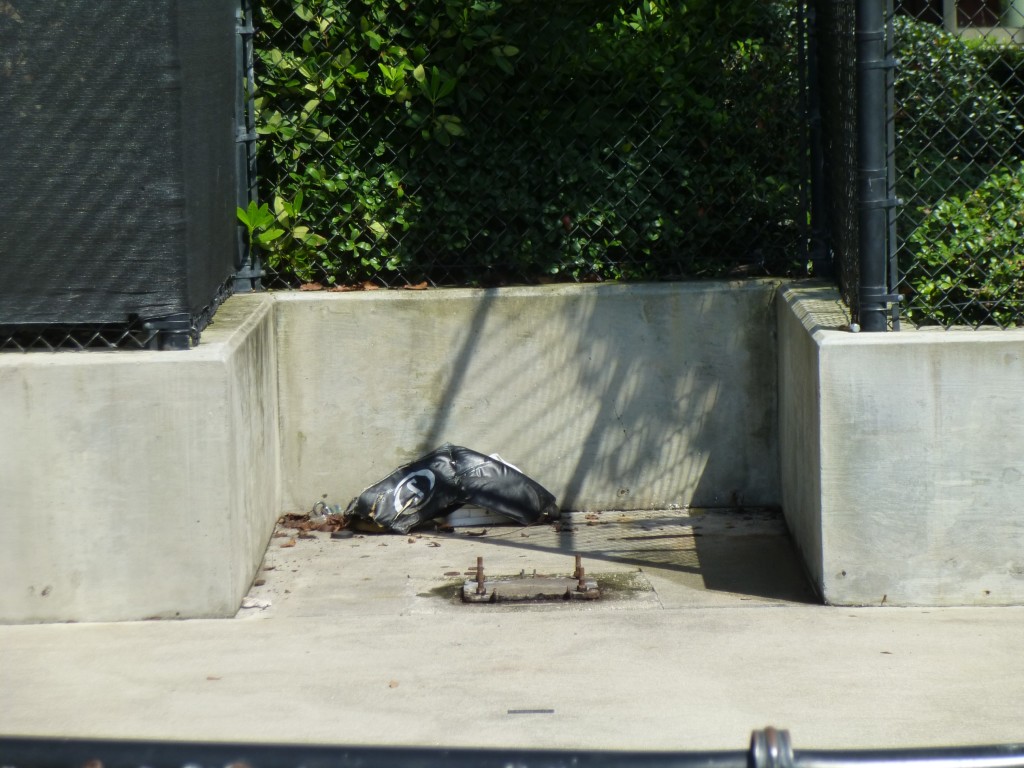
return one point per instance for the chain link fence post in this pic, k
(873, 200)
(249, 269)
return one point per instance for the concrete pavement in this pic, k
(361, 642)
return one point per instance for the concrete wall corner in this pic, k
(123, 494)
(901, 458)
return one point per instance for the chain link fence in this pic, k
(959, 132)
(954, 137)
(834, 42)
(487, 142)
(490, 142)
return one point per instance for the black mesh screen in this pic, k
(118, 159)
(837, 57)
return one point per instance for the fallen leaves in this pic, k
(305, 523)
(369, 285)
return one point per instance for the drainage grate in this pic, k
(529, 587)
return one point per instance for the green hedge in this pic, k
(959, 133)
(491, 141)
(968, 260)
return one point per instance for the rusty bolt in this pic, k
(480, 576)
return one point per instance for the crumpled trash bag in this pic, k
(446, 479)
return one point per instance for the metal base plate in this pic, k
(533, 588)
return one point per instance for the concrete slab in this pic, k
(646, 560)
(362, 642)
(691, 678)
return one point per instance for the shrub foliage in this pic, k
(959, 156)
(493, 141)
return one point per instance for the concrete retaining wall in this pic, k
(618, 396)
(902, 458)
(139, 484)
(146, 484)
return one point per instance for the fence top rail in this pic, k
(769, 748)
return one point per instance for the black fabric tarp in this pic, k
(118, 159)
(446, 479)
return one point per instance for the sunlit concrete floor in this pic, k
(707, 630)
(672, 558)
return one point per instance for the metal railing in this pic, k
(769, 748)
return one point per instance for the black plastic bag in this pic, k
(446, 479)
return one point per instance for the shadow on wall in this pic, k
(630, 400)
(611, 396)
(632, 397)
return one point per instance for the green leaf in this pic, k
(269, 236)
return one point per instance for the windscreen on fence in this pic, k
(449, 142)
(836, 54)
(118, 165)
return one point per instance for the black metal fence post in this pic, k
(892, 211)
(873, 192)
(249, 269)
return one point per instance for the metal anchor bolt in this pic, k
(580, 575)
(480, 589)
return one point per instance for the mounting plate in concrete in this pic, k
(532, 588)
